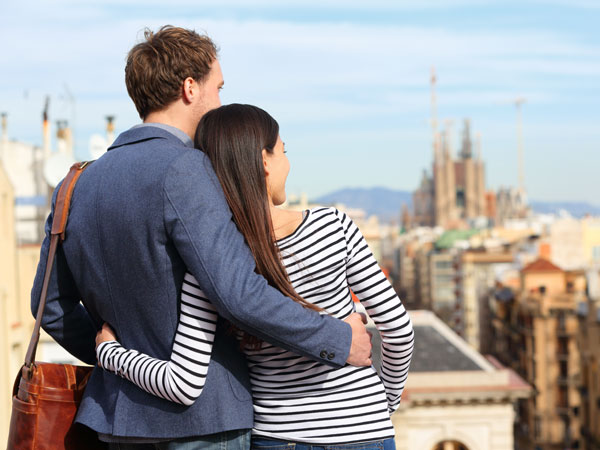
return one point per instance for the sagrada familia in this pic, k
(455, 190)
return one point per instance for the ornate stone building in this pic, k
(455, 192)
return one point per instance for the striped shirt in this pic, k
(296, 398)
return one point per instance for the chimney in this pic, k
(110, 130)
(46, 130)
(69, 138)
(545, 250)
(3, 136)
(61, 136)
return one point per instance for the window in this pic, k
(537, 427)
(563, 397)
(563, 369)
(443, 264)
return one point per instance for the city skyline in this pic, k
(349, 85)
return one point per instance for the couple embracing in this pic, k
(216, 319)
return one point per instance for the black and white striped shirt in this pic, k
(296, 398)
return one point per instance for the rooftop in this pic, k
(448, 239)
(435, 353)
(541, 265)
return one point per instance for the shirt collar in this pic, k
(187, 141)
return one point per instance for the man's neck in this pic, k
(171, 118)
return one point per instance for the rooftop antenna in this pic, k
(518, 102)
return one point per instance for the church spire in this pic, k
(467, 146)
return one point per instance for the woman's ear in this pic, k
(265, 161)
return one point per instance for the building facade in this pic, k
(588, 338)
(455, 398)
(535, 333)
(455, 191)
(23, 164)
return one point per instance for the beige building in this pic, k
(10, 350)
(575, 243)
(535, 333)
(588, 339)
(455, 399)
(478, 273)
(456, 190)
(17, 271)
(23, 164)
(511, 203)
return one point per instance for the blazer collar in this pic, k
(140, 134)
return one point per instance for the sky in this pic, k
(348, 81)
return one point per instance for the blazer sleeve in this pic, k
(65, 318)
(200, 223)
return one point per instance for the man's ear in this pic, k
(189, 90)
(265, 161)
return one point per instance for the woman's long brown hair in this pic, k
(233, 137)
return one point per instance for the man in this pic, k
(144, 212)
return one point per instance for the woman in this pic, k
(314, 257)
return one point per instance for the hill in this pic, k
(387, 203)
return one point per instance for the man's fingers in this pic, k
(357, 316)
(360, 350)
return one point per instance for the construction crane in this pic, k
(518, 102)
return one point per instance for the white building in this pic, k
(455, 399)
(23, 164)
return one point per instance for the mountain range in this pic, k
(387, 203)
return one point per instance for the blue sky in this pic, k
(347, 81)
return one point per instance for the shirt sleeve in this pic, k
(377, 295)
(181, 379)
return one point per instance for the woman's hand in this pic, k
(105, 334)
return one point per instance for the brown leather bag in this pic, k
(46, 396)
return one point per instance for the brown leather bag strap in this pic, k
(59, 224)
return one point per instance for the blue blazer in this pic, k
(140, 215)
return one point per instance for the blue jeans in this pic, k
(271, 444)
(227, 440)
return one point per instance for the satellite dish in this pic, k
(56, 168)
(97, 146)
